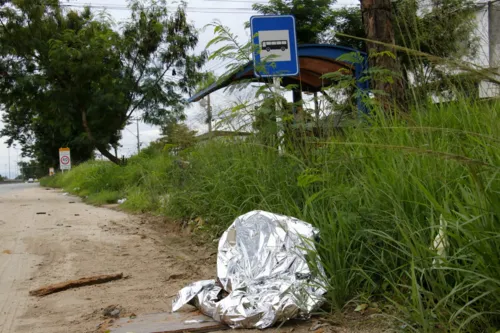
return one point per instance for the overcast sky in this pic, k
(232, 13)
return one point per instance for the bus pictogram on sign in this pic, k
(269, 45)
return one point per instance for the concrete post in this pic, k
(494, 33)
(494, 42)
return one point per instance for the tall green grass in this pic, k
(377, 193)
(144, 181)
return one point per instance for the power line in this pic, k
(219, 65)
(239, 1)
(213, 10)
(266, 2)
(189, 9)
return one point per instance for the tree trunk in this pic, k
(102, 148)
(377, 19)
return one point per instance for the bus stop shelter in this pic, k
(315, 60)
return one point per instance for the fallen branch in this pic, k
(87, 281)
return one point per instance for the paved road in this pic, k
(15, 263)
(7, 188)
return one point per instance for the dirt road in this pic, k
(73, 240)
(46, 237)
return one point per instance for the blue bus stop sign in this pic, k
(275, 45)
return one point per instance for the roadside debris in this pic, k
(440, 243)
(317, 326)
(7, 252)
(164, 323)
(263, 276)
(87, 281)
(197, 321)
(120, 201)
(164, 199)
(71, 202)
(112, 311)
(361, 308)
(41, 213)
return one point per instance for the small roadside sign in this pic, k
(51, 171)
(64, 159)
(275, 45)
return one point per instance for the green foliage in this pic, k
(231, 49)
(445, 30)
(377, 194)
(70, 79)
(23, 88)
(312, 17)
(380, 192)
(240, 175)
(55, 181)
(31, 169)
(178, 136)
(92, 177)
(143, 181)
(104, 197)
(347, 21)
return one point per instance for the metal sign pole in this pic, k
(276, 86)
(277, 110)
(275, 38)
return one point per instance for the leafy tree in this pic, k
(31, 169)
(348, 21)
(29, 114)
(312, 17)
(178, 136)
(70, 79)
(445, 29)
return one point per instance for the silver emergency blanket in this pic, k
(263, 274)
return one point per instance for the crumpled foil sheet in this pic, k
(263, 274)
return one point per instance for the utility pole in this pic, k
(205, 103)
(209, 114)
(137, 135)
(494, 35)
(138, 139)
(9, 162)
(316, 108)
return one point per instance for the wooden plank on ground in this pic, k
(87, 281)
(165, 322)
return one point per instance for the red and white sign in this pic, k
(64, 159)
